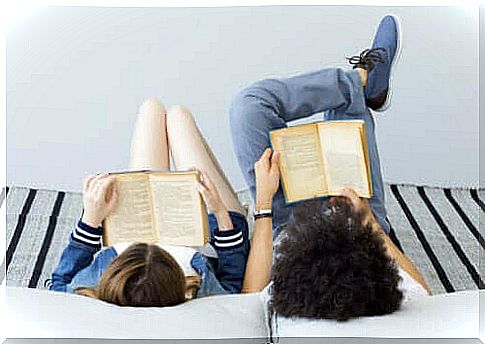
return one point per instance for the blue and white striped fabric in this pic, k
(87, 235)
(228, 239)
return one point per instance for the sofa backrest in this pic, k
(36, 313)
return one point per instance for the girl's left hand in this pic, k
(210, 195)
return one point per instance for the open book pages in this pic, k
(131, 220)
(344, 147)
(319, 159)
(301, 162)
(162, 207)
(179, 212)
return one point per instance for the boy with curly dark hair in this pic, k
(334, 261)
(334, 258)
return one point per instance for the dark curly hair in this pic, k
(329, 265)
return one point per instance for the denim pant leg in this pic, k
(268, 104)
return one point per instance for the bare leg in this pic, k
(190, 149)
(149, 145)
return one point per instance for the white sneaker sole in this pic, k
(397, 57)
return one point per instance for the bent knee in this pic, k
(179, 111)
(152, 104)
(260, 89)
(179, 114)
(247, 105)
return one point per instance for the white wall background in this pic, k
(76, 76)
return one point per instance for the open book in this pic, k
(160, 207)
(319, 159)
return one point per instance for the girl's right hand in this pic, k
(267, 178)
(214, 202)
(99, 198)
(210, 194)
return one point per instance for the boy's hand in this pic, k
(360, 205)
(99, 198)
(267, 178)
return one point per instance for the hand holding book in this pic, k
(210, 194)
(319, 159)
(258, 267)
(159, 206)
(99, 198)
(267, 178)
(214, 202)
(359, 205)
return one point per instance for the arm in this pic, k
(400, 259)
(232, 246)
(99, 198)
(84, 242)
(232, 259)
(393, 252)
(258, 268)
(229, 239)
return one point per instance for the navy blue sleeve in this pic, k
(84, 242)
(232, 247)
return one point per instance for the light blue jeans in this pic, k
(269, 104)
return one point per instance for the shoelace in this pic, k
(367, 58)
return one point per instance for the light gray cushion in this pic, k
(35, 313)
(454, 315)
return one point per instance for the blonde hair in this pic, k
(144, 275)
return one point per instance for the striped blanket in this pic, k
(438, 229)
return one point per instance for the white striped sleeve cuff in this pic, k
(87, 235)
(228, 239)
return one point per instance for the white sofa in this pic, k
(33, 313)
(453, 315)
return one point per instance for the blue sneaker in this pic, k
(379, 62)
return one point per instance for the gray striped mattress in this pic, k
(438, 229)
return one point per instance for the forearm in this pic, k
(84, 242)
(232, 247)
(224, 221)
(400, 259)
(258, 268)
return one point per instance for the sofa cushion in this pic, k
(36, 313)
(453, 315)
